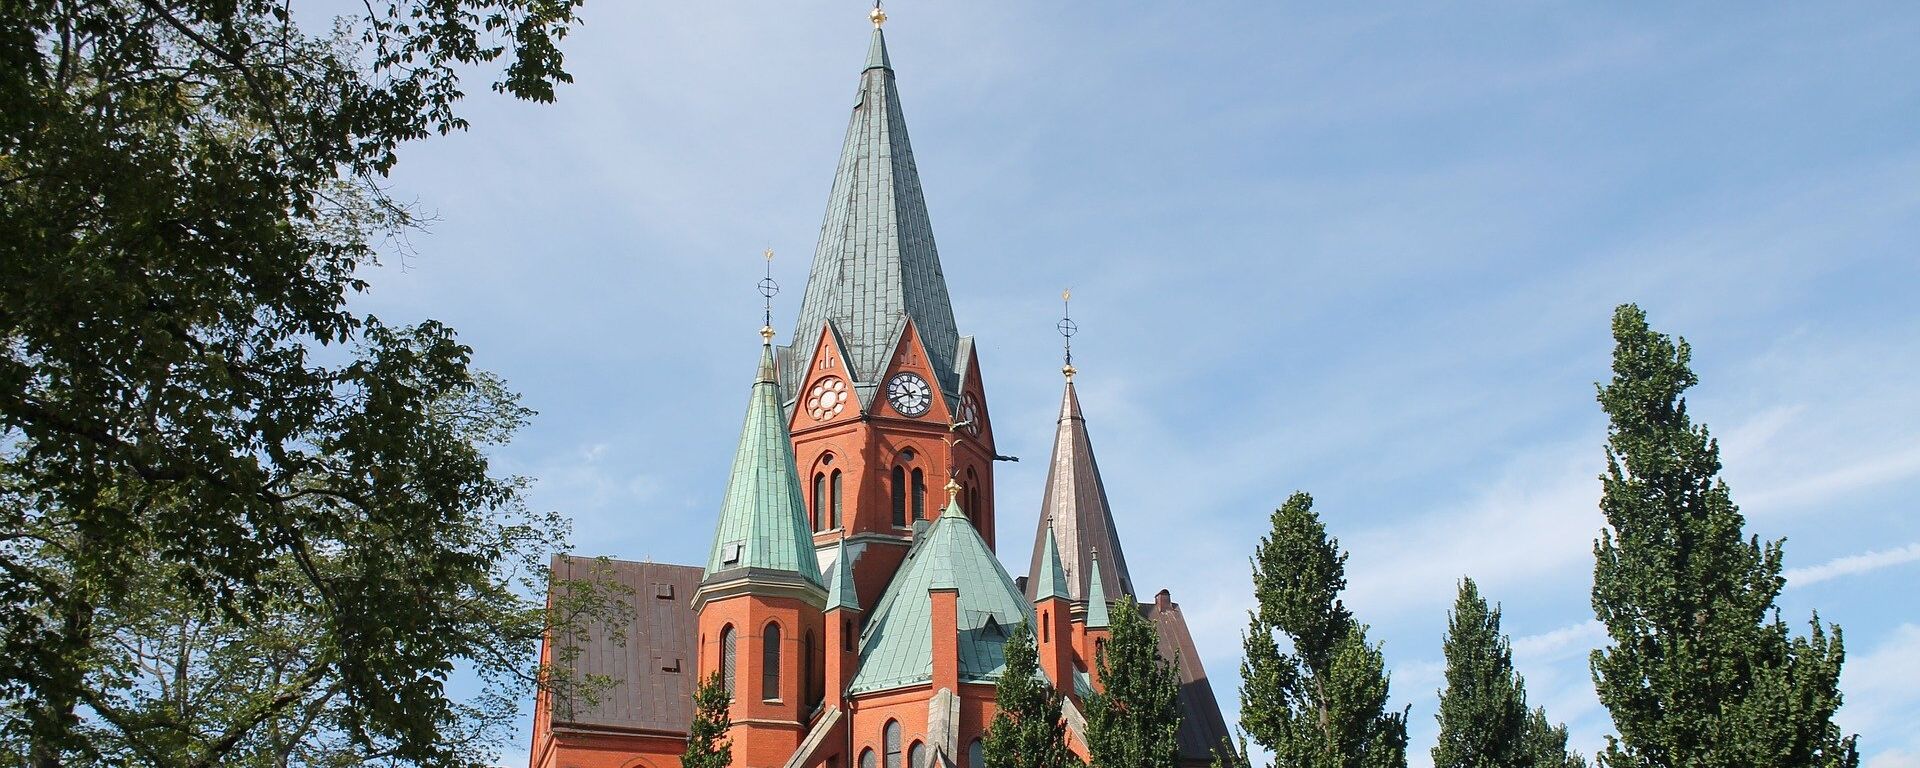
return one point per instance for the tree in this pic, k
(1028, 728)
(1134, 720)
(1699, 669)
(196, 430)
(1546, 743)
(1484, 720)
(707, 744)
(1321, 704)
(1483, 709)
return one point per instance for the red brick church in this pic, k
(852, 599)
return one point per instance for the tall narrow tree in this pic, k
(1484, 721)
(1700, 669)
(1028, 728)
(707, 744)
(1324, 703)
(1135, 719)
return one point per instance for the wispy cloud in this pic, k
(1852, 564)
(1882, 689)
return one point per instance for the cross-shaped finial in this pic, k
(768, 289)
(1067, 329)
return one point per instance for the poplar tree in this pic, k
(1699, 670)
(1322, 704)
(1028, 728)
(1484, 720)
(707, 744)
(1135, 718)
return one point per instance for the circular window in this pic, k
(827, 398)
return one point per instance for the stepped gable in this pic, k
(896, 650)
(875, 266)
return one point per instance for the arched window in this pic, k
(866, 758)
(976, 755)
(920, 495)
(812, 695)
(770, 662)
(917, 755)
(846, 635)
(727, 659)
(836, 498)
(1046, 627)
(899, 497)
(974, 509)
(1099, 651)
(819, 501)
(892, 739)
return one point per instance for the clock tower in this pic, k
(883, 394)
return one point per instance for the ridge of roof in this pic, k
(896, 649)
(1074, 510)
(875, 267)
(763, 518)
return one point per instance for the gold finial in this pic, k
(1067, 329)
(953, 491)
(768, 289)
(878, 15)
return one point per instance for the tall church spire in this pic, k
(875, 266)
(763, 518)
(1075, 513)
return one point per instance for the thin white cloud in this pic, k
(1852, 565)
(1882, 690)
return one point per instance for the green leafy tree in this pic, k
(1484, 720)
(1700, 669)
(1323, 703)
(1135, 718)
(1028, 728)
(1546, 743)
(707, 744)
(195, 428)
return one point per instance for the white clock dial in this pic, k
(909, 394)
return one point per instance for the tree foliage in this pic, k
(1323, 702)
(707, 744)
(1028, 728)
(208, 461)
(1484, 720)
(1700, 669)
(1134, 720)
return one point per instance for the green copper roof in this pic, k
(1051, 581)
(875, 266)
(897, 648)
(840, 588)
(763, 522)
(1097, 599)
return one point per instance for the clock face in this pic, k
(909, 394)
(970, 414)
(827, 398)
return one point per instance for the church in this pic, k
(852, 601)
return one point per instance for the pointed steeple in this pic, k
(1074, 510)
(1096, 598)
(840, 590)
(763, 520)
(1049, 581)
(875, 266)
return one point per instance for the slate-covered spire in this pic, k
(1050, 580)
(1097, 616)
(1074, 511)
(875, 265)
(763, 520)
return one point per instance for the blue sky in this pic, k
(1365, 251)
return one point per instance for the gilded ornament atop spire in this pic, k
(768, 289)
(878, 15)
(1067, 329)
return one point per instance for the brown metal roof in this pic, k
(654, 670)
(1075, 507)
(1202, 729)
